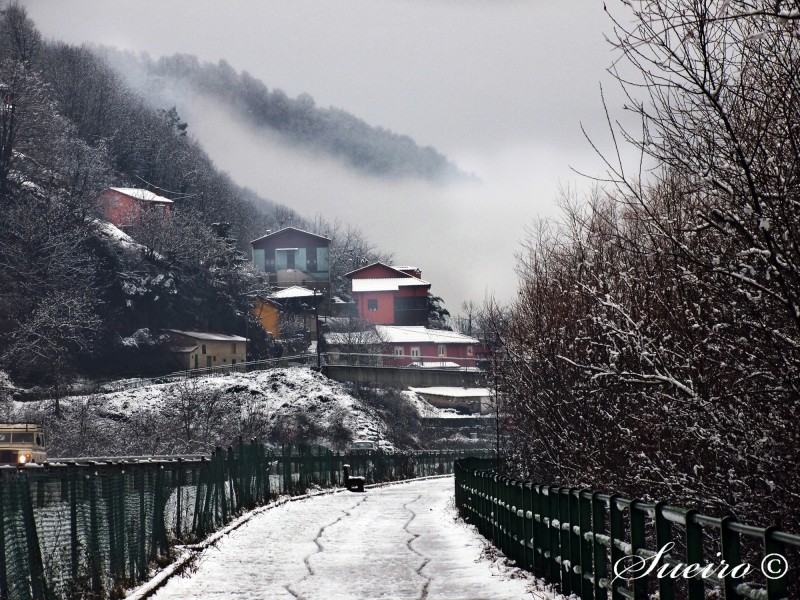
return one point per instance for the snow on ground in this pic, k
(282, 391)
(270, 399)
(399, 541)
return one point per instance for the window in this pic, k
(414, 303)
(233, 348)
(398, 351)
(204, 349)
(285, 258)
(311, 260)
(415, 352)
(442, 350)
(372, 304)
(469, 350)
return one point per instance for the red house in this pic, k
(388, 295)
(124, 207)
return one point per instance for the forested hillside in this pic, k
(332, 131)
(75, 295)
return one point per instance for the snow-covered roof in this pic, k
(404, 267)
(295, 291)
(355, 338)
(141, 194)
(378, 264)
(386, 285)
(214, 337)
(454, 392)
(401, 334)
(272, 233)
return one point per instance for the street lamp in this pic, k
(316, 322)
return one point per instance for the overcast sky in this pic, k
(500, 87)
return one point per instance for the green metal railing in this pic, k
(599, 546)
(90, 529)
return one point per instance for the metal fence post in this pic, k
(585, 543)
(553, 533)
(638, 543)
(617, 528)
(732, 554)
(94, 535)
(565, 538)
(600, 571)
(776, 588)
(694, 555)
(179, 499)
(4, 485)
(575, 544)
(666, 589)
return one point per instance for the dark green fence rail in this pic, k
(574, 538)
(90, 529)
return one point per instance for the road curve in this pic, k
(394, 542)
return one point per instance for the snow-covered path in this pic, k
(398, 541)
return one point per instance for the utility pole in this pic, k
(496, 420)
(316, 322)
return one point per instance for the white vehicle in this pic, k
(22, 443)
(362, 447)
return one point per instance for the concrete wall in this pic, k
(403, 378)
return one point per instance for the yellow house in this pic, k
(268, 312)
(199, 349)
(295, 301)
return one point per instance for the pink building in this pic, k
(387, 295)
(409, 346)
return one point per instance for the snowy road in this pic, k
(394, 542)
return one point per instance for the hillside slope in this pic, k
(277, 406)
(330, 131)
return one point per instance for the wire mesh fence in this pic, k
(598, 547)
(91, 529)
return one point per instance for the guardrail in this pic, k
(599, 546)
(355, 359)
(90, 528)
(242, 367)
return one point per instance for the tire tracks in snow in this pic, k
(414, 536)
(320, 548)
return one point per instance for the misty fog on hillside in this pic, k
(500, 90)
